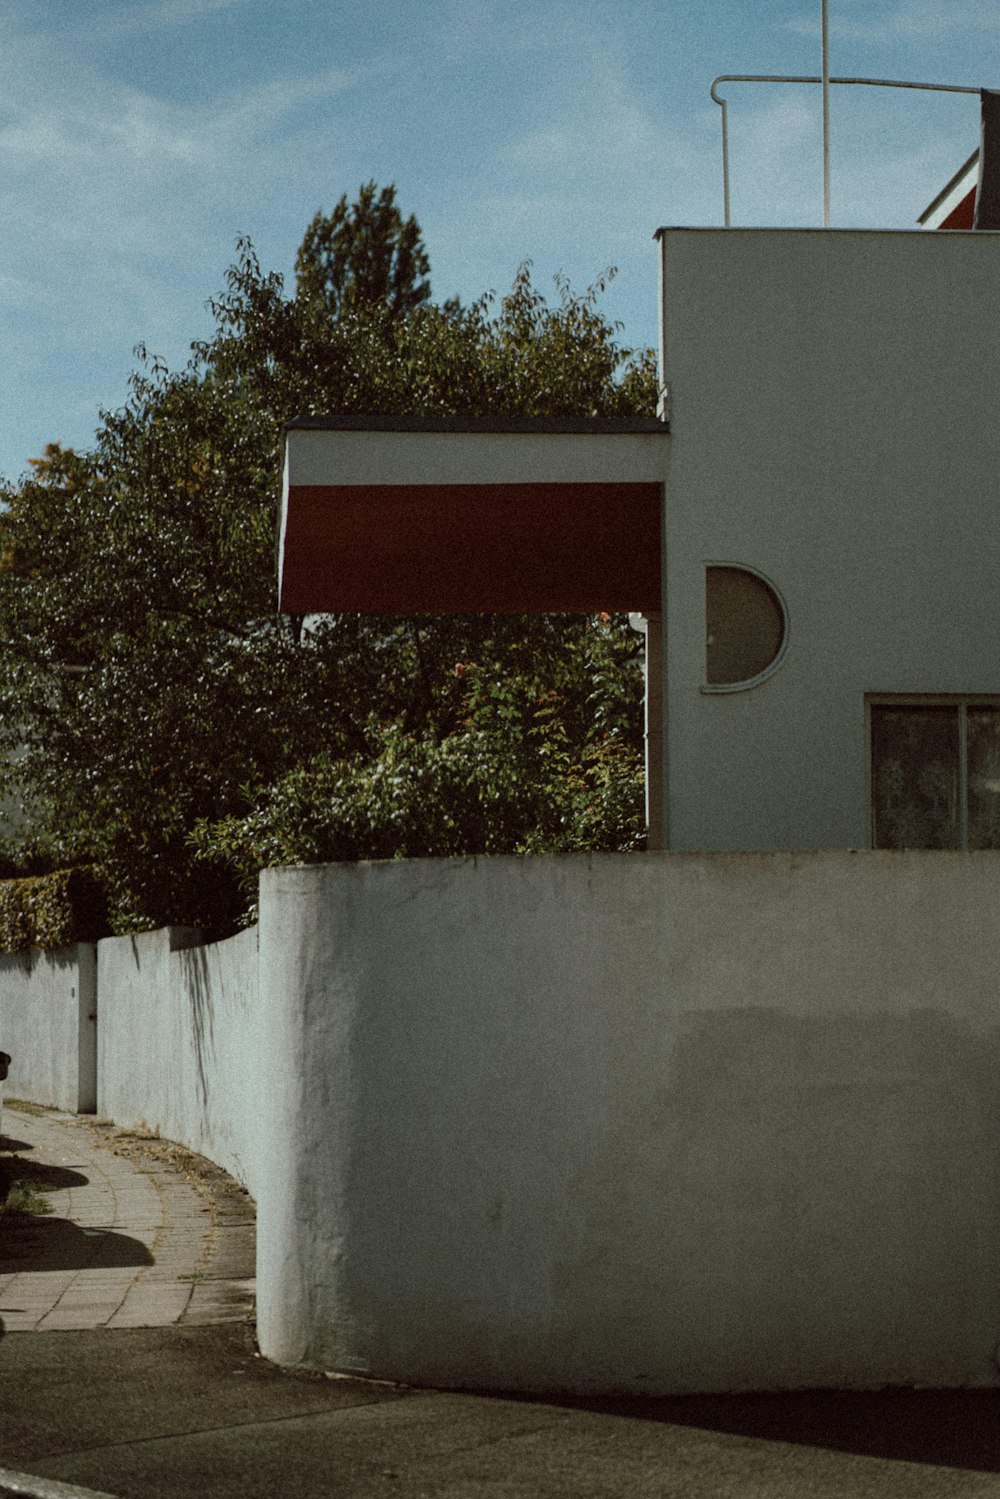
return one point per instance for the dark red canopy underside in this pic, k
(520, 548)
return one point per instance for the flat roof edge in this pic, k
(802, 229)
(542, 426)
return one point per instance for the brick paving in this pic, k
(140, 1234)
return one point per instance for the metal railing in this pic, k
(940, 88)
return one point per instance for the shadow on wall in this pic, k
(809, 1173)
(194, 962)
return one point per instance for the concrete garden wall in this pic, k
(662, 1123)
(48, 1024)
(178, 1043)
(653, 1123)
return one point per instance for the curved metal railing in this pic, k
(941, 88)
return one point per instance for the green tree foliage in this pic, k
(517, 771)
(363, 255)
(148, 685)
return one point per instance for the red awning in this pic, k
(467, 518)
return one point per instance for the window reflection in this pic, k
(915, 777)
(983, 741)
(936, 775)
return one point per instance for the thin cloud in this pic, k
(64, 130)
(469, 30)
(601, 138)
(600, 167)
(775, 161)
(118, 208)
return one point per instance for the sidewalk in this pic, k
(130, 1242)
(179, 1402)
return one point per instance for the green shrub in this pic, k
(508, 779)
(52, 910)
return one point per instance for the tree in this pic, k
(363, 255)
(150, 688)
(511, 770)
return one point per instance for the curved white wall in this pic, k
(179, 1043)
(654, 1123)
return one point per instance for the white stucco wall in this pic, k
(178, 1043)
(48, 1005)
(659, 1123)
(833, 401)
(341, 455)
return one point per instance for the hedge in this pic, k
(52, 910)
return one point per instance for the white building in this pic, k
(830, 530)
(833, 401)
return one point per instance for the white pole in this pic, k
(825, 29)
(725, 162)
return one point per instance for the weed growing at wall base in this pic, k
(20, 1191)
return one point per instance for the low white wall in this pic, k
(48, 1015)
(662, 1124)
(178, 1043)
(594, 1123)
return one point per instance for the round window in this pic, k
(746, 626)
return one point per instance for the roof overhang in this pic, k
(396, 516)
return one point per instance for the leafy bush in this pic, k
(52, 910)
(510, 778)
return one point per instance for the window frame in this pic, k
(716, 689)
(960, 700)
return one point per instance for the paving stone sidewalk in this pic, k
(140, 1234)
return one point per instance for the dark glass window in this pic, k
(915, 792)
(983, 742)
(935, 775)
(745, 626)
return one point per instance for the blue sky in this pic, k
(138, 138)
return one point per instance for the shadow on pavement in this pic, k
(38, 1174)
(950, 1428)
(31, 1243)
(6, 1143)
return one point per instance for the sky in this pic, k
(139, 138)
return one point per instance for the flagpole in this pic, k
(825, 30)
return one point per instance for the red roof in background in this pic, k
(955, 204)
(961, 216)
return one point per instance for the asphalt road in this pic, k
(152, 1413)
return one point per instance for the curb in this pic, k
(30, 1487)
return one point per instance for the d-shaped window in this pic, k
(746, 627)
